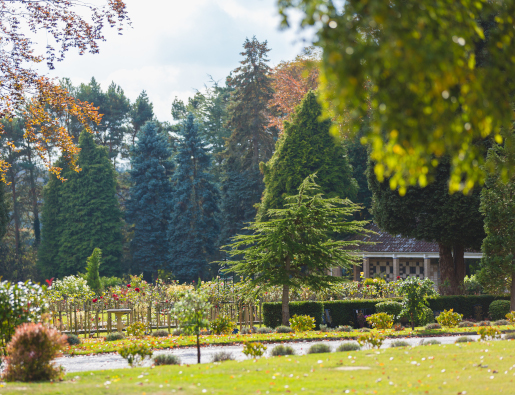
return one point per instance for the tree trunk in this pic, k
(512, 301)
(198, 348)
(452, 268)
(286, 297)
(459, 267)
(15, 213)
(35, 210)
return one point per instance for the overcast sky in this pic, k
(174, 44)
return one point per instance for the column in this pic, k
(357, 270)
(366, 267)
(427, 266)
(396, 268)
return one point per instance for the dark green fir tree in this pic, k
(193, 229)
(305, 148)
(150, 198)
(4, 211)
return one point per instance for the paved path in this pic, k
(189, 355)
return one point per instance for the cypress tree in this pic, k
(92, 270)
(306, 147)
(193, 228)
(150, 198)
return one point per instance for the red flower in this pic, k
(49, 282)
(398, 277)
(95, 300)
(128, 285)
(114, 295)
(101, 297)
(136, 289)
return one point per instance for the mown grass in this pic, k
(474, 368)
(95, 346)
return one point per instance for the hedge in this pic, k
(343, 312)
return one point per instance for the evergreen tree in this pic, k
(193, 228)
(141, 111)
(4, 211)
(92, 270)
(432, 214)
(150, 198)
(305, 148)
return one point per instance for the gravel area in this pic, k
(188, 355)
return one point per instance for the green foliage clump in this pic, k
(282, 350)
(449, 318)
(272, 315)
(511, 316)
(433, 326)
(501, 322)
(364, 330)
(114, 336)
(283, 329)
(464, 339)
(325, 328)
(415, 293)
(372, 339)
(167, 359)
(393, 308)
(136, 329)
(484, 323)
(509, 336)
(30, 352)
(498, 309)
(465, 324)
(380, 320)
(264, 329)
(472, 286)
(222, 356)
(222, 326)
(399, 343)
(72, 339)
(319, 348)
(302, 323)
(160, 333)
(253, 349)
(430, 342)
(489, 333)
(344, 328)
(348, 346)
(108, 282)
(135, 353)
(92, 268)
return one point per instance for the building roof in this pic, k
(386, 242)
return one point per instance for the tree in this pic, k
(498, 208)
(415, 293)
(438, 78)
(148, 208)
(193, 228)
(82, 214)
(432, 214)
(306, 147)
(92, 266)
(142, 110)
(4, 211)
(70, 24)
(294, 248)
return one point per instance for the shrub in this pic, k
(114, 336)
(272, 316)
(72, 339)
(108, 282)
(433, 326)
(160, 333)
(464, 339)
(392, 308)
(282, 350)
(364, 330)
(302, 323)
(222, 356)
(135, 353)
(510, 336)
(177, 332)
(502, 322)
(484, 323)
(92, 266)
(399, 343)
(319, 348)
(489, 333)
(498, 309)
(511, 316)
(344, 328)
(325, 328)
(449, 318)
(398, 327)
(430, 342)
(222, 326)
(372, 339)
(30, 352)
(380, 320)
(136, 329)
(264, 330)
(472, 286)
(167, 359)
(283, 329)
(415, 293)
(253, 349)
(348, 346)
(465, 324)
(247, 331)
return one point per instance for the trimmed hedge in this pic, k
(272, 312)
(498, 309)
(343, 311)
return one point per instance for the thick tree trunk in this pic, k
(286, 297)
(452, 268)
(15, 213)
(512, 301)
(198, 348)
(459, 267)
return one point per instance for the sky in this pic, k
(174, 46)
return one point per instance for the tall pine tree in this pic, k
(150, 198)
(306, 147)
(193, 228)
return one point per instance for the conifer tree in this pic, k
(150, 198)
(92, 270)
(193, 228)
(4, 212)
(305, 148)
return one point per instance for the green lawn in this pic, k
(475, 368)
(95, 346)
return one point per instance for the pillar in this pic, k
(366, 267)
(396, 268)
(357, 269)
(427, 265)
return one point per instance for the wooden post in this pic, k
(169, 319)
(75, 317)
(150, 317)
(60, 319)
(97, 323)
(239, 316)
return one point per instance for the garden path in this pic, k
(188, 355)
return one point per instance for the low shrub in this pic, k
(253, 349)
(72, 339)
(466, 324)
(167, 359)
(136, 329)
(282, 350)
(433, 326)
(319, 348)
(449, 319)
(348, 346)
(464, 339)
(399, 343)
(247, 331)
(398, 327)
(283, 329)
(177, 332)
(160, 333)
(114, 336)
(325, 328)
(510, 336)
(484, 323)
(372, 339)
(498, 309)
(222, 326)
(393, 308)
(135, 353)
(501, 322)
(511, 317)
(302, 323)
(30, 353)
(264, 330)
(344, 328)
(489, 333)
(222, 356)
(381, 320)
(430, 342)
(363, 330)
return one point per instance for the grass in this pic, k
(444, 369)
(96, 346)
